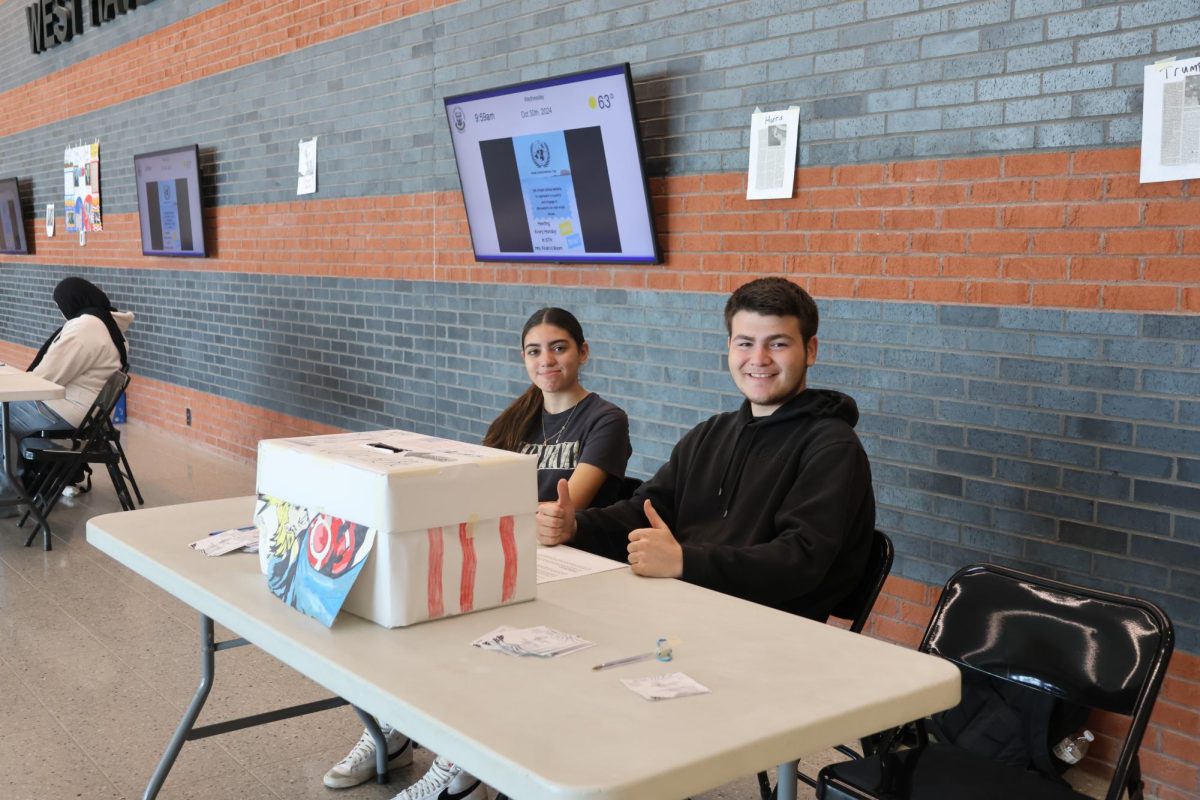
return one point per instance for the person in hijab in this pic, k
(80, 356)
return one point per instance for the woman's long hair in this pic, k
(509, 430)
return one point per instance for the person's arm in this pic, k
(811, 522)
(585, 483)
(71, 354)
(605, 451)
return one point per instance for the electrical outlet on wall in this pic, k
(188, 416)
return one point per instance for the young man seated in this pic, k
(771, 503)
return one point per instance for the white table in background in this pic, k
(782, 686)
(17, 385)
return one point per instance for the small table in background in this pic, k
(18, 385)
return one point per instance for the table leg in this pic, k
(207, 670)
(381, 753)
(785, 781)
(10, 472)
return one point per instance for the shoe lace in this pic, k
(439, 775)
(362, 751)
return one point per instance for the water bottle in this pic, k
(1072, 749)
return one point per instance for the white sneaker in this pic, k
(359, 765)
(70, 491)
(445, 781)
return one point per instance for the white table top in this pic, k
(18, 385)
(782, 686)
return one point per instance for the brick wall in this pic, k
(1012, 310)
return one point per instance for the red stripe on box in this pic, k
(436, 554)
(466, 587)
(508, 541)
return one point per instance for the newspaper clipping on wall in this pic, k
(1171, 121)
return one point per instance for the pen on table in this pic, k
(627, 660)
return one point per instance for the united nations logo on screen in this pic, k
(539, 151)
(460, 119)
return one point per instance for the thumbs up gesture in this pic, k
(653, 551)
(556, 520)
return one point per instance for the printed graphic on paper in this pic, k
(1171, 121)
(81, 187)
(311, 560)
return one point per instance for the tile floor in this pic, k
(97, 665)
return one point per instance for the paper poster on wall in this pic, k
(1171, 121)
(306, 182)
(49, 219)
(773, 137)
(81, 188)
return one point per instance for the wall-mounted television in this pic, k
(552, 170)
(12, 221)
(168, 193)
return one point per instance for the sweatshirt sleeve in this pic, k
(810, 525)
(71, 354)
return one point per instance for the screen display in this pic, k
(12, 221)
(168, 188)
(551, 170)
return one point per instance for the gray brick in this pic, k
(838, 61)
(1059, 505)
(972, 66)
(1123, 131)
(1187, 529)
(865, 34)
(1110, 324)
(1071, 134)
(1058, 555)
(937, 482)
(969, 316)
(964, 364)
(1054, 54)
(969, 413)
(1097, 484)
(973, 116)
(949, 44)
(996, 494)
(1141, 351)
(1178, 37)
(945, 94)
(997, 442)
(1003, 37)
(912, 25)
(1167, 495)
(1005, 139)
(1101, 377)
(1062, 399)
(1071, 453)
(1175, 328)
(995, 392)
(1189, 413)
(1030, 371)
(1132, 572)
(1025, 524)
(1186, 384)
(910, 74)
(1038, 8)
(1127, 517)
(1129, 462)
(972, 513)
(1168, 440)
(1188, 470)
(1137, 407)
(1111, 48)
(888, 8)
(1038, 109)
(892, 52)
(965, 463)
(1164, 551)
(1093, 538)
(1009, 86)
(1076, 79)
(908, 121)
(1033, 319)
(1098, 430)
(848, 106)
(1083, 23)
(1027, 473)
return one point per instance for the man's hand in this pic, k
(653, 551)
(556, 520)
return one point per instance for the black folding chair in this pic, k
(112, 434)
(1096, 649)
(855, 607)
(52, 466)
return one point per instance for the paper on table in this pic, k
(221, 542)
(665, 687)
(536, 641)
(559, 563)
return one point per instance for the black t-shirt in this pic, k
(593, 431)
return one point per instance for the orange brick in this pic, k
(810, 220)
(971, 266)
(1176, 716)
(1179, 212)
(882, 289)
(856, 174)
(996, 293)
(910, 218)
(1120, 186)
(1066, 295)
(939, 291)
(857, 220)
(831, 198)
(1037, 164)
(882, 242)
(700, 283)
(1185, 748)
(1140, 298)
(823, 286)
(721, 262)
(1178, 774)
(857, 265)
(914, 171)
(1046, 189)
(911, 265)
(1190, 301)
(740, 243)
(969, 217)
(897, 632)
(941, 194)
(814, 176)
(885, 196)
(784, 242)
(761, 264)
(998, 242)
(831, 242)
(1066, 242)
(971, 168)
(724, 182)
(1039, 216)
(1191, 241)
(1140, 242)
(1105, 215)
(1107, 162)
(1036, 269)
(810, 263)
(1104, 268)
(1178, 690)
(1001, 191)
(938, 242)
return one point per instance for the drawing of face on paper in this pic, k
(311, 560)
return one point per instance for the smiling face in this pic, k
(552, 358)
(769, 359)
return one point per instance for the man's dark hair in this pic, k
(774, 297)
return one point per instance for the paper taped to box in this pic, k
(452, 524)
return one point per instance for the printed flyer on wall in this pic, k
(81, 187)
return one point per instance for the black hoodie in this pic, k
(777, 509)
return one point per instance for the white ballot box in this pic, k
(452, 524)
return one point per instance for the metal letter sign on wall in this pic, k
(52, 22)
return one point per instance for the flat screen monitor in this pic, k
(168, 191)
(551, 170)
(12, 221)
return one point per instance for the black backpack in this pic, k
(1009, 723)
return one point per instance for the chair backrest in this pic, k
(95, 422)
(1094, 648)
(857, 605)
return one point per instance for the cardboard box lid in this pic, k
(397, 480)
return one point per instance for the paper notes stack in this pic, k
(539, 641)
